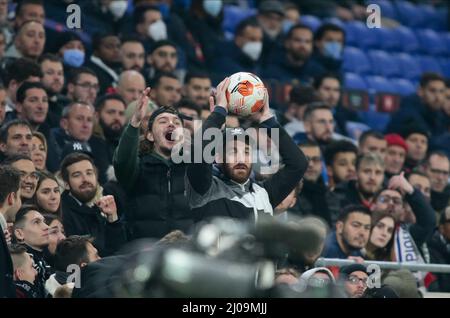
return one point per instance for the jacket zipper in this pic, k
(168, 180)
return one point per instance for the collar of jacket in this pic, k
(105, 67)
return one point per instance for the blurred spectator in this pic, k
(28, 176)
(439, 250)
(85, 210)
(437, 168)
(166, 89)
(292, 63)
(204, 23)
(372, 141)
(132, 53)
(3, 101)
(329, 41)
(15, 138)
(55, 235)
(291, 16)
(403, 282)
(131, 85)
(340, 159)
(417, 141)
(48, 195)
(29, 42)
(83, 86)
(53, 80)
(288, 276)
(311, 198)
(149, 24)
(355, 279)
(191, 113)
(28, 10)
(370, 176)
(270, 17)
(104, 15)
(105, 60)
(318, 282)
(351, 233)
(242, 54)
(110, 114)
(395, 154)
(197, 88)
(31, 230)
(328, 87)
(319, 124)
(299, 98)
(3, 43)
(74, 250)
(16, 73)
(162, 57)
(379, 247)
(38, 151)
(423, 109)
(24, 272)
(153, 210)
(71, 49)
(421, 182)
(5, 27)
(76, 130)
(9, 205)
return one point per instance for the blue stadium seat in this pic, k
(376, 121)
(409, 66)
(388, 39)
(383, 64)
(403, 86)
(387, 8)
(378, 84)
(429, 14)
(431, 43)
(429, 64)
(445, 37)
(354, 81)
(312, 21)
(232, 15)
(407, 39)
(445, 66)
(355, 61)
(441, 21)
(335, 21)
(409, 14)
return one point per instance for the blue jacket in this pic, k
(333, 250)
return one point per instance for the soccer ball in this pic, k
(245, 94)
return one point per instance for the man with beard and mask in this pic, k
(132, 53)
(234, 193)
(329, 42)
(85, 210)
(351, 233)
(242, 54)
(110, 114)
(154, 184)
(292, 63)
(363, 190)
(28, 175)
(105, 60)
(408, 237)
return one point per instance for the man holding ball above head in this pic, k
(233, 193)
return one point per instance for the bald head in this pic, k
(30, 39)
(130, 86)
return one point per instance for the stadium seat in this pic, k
(445, 66)
(387, 8)
(335, 21)
(388, 40)
(429, 64)
(378, 84)
(232, 15)
(354, 81)
(441, 21)
(312, 21)
(403, 86)
(431, 43)
(407, 39)
(383, 64)
(445, 37)
(377, 121)
(355, 61)
(409, 67)
(429, 15)
(409, 14)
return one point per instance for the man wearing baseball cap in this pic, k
(395, 154)
(354, 278)
(154, 183)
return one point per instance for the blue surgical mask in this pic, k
(73, 57)
(212, 7)
(333, 49)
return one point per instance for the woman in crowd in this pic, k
(379, 247)
(48, 194)
(39, 151)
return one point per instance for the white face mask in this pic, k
(118, 8)
(158, 30)
(253, 50)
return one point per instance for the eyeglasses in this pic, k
(32, 175)
(89, 86)
(388, 199)
(354, 280)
